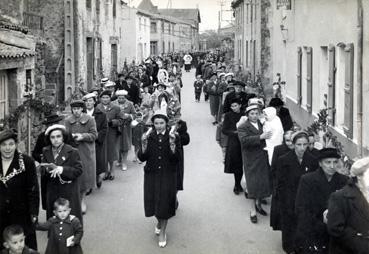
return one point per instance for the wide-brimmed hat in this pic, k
(52, 118)
(109, 83)
(276, 102)
(229, 74)
(89, 96)
(160, 113)
(104, 80)
(360, 167)
(77, 103)
(252, 107)
(328, 153)
(8, 134)
(55, 127)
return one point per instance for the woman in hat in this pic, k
(128, 113)
(290, 168)
(282, 112)
(214, 99)
(84, 132)
(161, 151)
(348, 213)
(238, 93)
(133, 89)
(312, 202)
(61, 169)
(102, 128)
(256, 166)
(19, 190)
(115, 120)
(233, 157)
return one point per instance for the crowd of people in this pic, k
(316, 207)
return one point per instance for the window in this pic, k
(309, 79)
(139, 23)
(349, 90)
(169, 31)
(114, 8)
(173, 46)
(88, 4)
(153, 28)
(251, 12)
(299, 75)
(28, 87)
(247, 13)
(3, 94)
(331, 103)
(145, 24)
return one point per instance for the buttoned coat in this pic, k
(160, 179)
(115, 120)
(289, 173)
(125, 129)
(100, 144)
(311, 202)
(68, 188)
(86, 126)
(348, 221)
(185, 140)
(275, 213)
(255, 161)
(20, 197)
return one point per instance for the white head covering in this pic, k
(109, 83)
(270, 113)
(121, 93)
(360, 167)
(88, 96)
(55, 127)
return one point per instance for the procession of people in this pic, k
(316, 207)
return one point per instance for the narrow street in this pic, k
(210, 218)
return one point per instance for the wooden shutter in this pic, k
(309, 79)
(299, 75)
(349, 89)
(331, 83)
(69, 71)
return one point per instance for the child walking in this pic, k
(14, 241)
(199, 83)
(65, 231)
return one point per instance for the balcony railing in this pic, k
(33, 21)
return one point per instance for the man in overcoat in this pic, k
(312, 201)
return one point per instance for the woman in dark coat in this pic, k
(291, 167)
(348, 213)
(282, 112)
(312, 202)
(275, 213)
(233, 157)
(184, 137)
(256, 165)
(102, 128)
(214, 96)
(19, 190)
(61, 168)
(161, 151)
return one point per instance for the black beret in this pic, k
(276, 102)
(328, 153)
(8, 134)
(77, 103)
(106, 92)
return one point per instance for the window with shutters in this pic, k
(247, 54)
(331, 98)
(3, 94)
(309, 79)
(299, 75)
(348, 90)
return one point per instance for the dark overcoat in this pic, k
(115, 120)
(255, 163)
(233, 156)
(289, 173)
(185, 140)
(214, 97)
(19, 197)
(160, 180)
(348, 221)
(68, 185)
(286, 119)
(311, 202)
(100, 144)
(275, 214)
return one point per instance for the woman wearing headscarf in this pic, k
(348, 213)
(19, 190)
(161, 151)
(61, 169)
(256, 166)
(84, 132)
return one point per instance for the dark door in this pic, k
(90, 62)
(114, 61)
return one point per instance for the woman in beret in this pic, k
(83, 129)
(161, 151)
(61, 168)
(19, 189)
(348, 213)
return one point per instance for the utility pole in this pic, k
(169, 4)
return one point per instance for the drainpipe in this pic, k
(360, 91)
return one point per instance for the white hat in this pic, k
(252, 107)
(256, 101)
(88, 96)
(121, 93)
(55, 127)
(109, 83)
(360, 166)
(229, 74)
(222, 74)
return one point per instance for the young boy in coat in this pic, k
(199, 83)
(14, 241)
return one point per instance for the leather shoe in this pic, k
(246, 195)
(254, 219)
(260, 210)
(236, 191)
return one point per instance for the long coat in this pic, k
(256, 165)
(285, 116)
(19, 196)
(85, 125)
(289, 173)
(348, 221)
(214, 97)
(275, 213)
(160, 180)
(100, 145)
(233, 156)
(311, 202)
(125, 129)
(67, 186)
(115, 120)
(185, 140)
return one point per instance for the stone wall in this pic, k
(12, 11)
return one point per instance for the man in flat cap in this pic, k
(312, 202)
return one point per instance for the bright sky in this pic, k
(208, 10)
